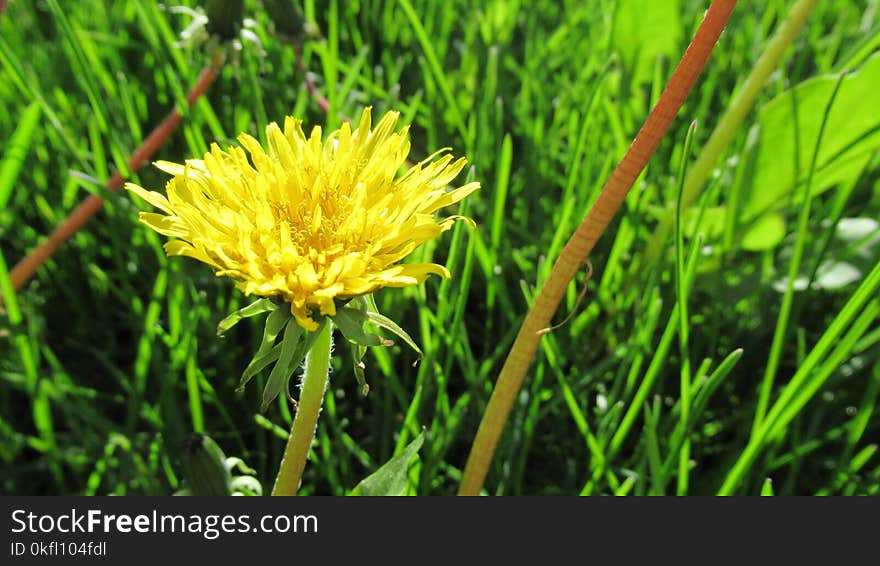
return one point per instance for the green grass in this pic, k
(710, 369)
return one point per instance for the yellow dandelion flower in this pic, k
(309, 221)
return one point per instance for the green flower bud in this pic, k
(204, 467)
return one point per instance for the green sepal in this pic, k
(253, 309)
(295, 344)
(280, 375)
(266, 354)
(257, 364)
(350, 322)
(383, 321)
(391, 478)
(368, 303)
(357, 356)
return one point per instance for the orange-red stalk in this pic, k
(582, 241)
(26, 268)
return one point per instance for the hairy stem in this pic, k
(306, 420)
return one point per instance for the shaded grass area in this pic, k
(110, 359)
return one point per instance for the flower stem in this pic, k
(582, 242)
(306, 420)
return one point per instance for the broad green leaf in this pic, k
(765, 233)
(253, 309)
(645, 30)
(790, 125)
(391, 478)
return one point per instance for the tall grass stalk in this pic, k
(794, 266)
(585, 237)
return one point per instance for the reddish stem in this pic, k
(25, 269)
(582, 241)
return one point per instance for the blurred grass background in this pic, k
(109, 358)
